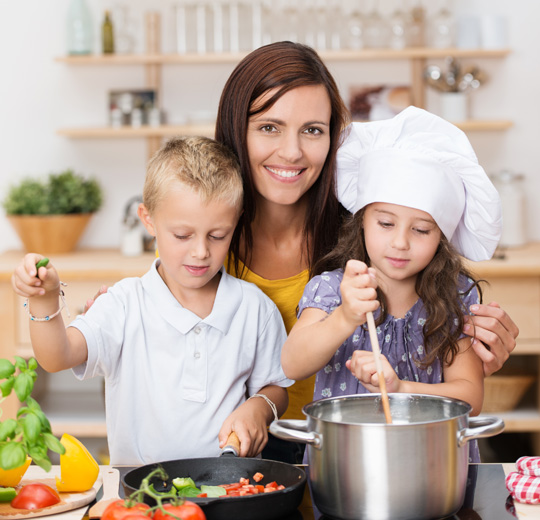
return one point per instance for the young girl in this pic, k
(419, 199)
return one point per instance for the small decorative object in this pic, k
(107, 34)
(51, 215)
(454, 86)
(29, 435)
(131, 107)
(79, 28)
(376, 102)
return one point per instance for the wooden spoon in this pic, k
(377, 355)
(111, 482)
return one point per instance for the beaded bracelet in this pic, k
(270, 403)
(50, 317)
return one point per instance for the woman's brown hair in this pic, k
(282, 66)
(437, 285)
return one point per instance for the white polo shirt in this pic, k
(172, 378)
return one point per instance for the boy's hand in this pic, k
(249, 423)
(358, 292)
(28, 281)
(362, 365)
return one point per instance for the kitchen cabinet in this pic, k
(514, 282)
(80, 412)
(153, 63)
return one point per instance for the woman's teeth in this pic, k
(285, 173)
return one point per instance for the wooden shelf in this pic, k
(107, 132)
(343, 55)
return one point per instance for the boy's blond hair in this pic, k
(204, 165)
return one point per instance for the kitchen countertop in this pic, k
(487, 499)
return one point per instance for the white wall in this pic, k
(39, 95)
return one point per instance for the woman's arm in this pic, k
(495, 335)
(463, 379)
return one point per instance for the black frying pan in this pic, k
(214, 471)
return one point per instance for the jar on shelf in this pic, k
(510, 187)
(79, 30)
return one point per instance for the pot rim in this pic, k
(392, 397)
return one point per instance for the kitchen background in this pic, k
(42, 96)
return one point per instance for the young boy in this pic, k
(181, 347)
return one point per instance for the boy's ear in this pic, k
(146, 219)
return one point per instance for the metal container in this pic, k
(362, 468)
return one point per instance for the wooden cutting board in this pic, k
(68, 501)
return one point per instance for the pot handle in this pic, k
(295, 430)
(480, 427)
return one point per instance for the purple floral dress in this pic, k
(400, 339)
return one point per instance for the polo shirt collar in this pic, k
(226, 303)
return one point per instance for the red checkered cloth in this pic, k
(529, 466)
(524, 488)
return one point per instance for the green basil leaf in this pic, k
(7, 385)
(12, 455)
(7, 429)
(23, 386)
(32, 364)
(53, 443)
(6, 368)
(45, 424)
(33, 405)
(39, 457)
(31, 427)
(20, 363)
(23, 410)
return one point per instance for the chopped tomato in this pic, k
(258, 477)
(35, 496)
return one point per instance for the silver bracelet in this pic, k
(51, 316)
(269, 401)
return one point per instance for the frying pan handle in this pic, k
(232, 446)
(295, 430)
(480, 427)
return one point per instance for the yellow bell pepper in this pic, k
(11, 477)
(78, 469)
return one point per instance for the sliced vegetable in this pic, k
(35, 496)
(78, 469)
(213, 491)
(42, 263)
(7, 494)
(11, 477)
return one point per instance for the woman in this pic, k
(281, 113)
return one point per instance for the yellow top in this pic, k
(286, 294)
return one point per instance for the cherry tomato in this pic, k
(35, 496)
(118, 510)
(186, 511)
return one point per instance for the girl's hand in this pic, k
(249, 423)
(358, 292)
(362, 365)
(90, 301)
(29, 282)
(495, 335)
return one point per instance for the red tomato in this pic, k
(118, 510)
(35, 496)
(186, 511)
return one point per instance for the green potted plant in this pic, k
(50, 215)
(28, 435)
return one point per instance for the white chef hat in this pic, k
(419, 160)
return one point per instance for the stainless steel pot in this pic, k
(362, 468)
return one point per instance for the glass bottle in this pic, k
(107, 34)
(79, 28)
(441, 27)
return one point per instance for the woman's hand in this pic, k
(495, 335)
(90, 301)
(363, 367)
